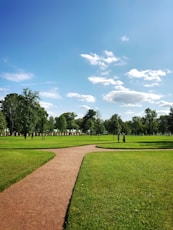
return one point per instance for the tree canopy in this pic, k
(23, 114)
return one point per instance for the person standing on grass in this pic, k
(124, 137)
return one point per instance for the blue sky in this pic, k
(113, 56)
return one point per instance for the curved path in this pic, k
(40, 200)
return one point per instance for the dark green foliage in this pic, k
(113, 125)
(10, 106)
(61, 123)
(170, 120)
(24, 114)
(3, 123)
(88, 122)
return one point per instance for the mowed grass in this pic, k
(19, 158)
(51, 141)
(104, 141)
(123, 190)
(16, 164)
(140, 142)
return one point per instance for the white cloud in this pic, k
(132, 105)
(110, 57)
(165, 104)
(119, 85)
(53, 93)
(104, 81)
(46, 105)
(124, 38)
(81, 97)
(106, 73)
(86, 107)
(101, 61)
(151, 85)
(131, 97)
(149, 75)
(17, 77)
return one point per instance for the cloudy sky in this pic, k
(113, 56)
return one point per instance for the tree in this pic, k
(126, 127)
(51, 124)
(3, 123)
(170, 120)
(79, 122)
(10, 106)
(137, 126)
(89, 121)
(163, 124)
(99, 126)
(113, 125)
(70, 119)
(61, 123)
(41, 125)
(151, 121)
(28, 111)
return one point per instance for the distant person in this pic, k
(124, 137)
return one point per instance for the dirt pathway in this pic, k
(40, 200)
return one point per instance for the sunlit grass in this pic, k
(16, 164)
(105, 141)
(140, 142)
(124, 190)
(51, 141)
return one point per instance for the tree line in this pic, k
(23, 114)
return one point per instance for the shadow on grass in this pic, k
(157, 144)
(153, 144)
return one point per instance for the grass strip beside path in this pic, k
(123, 190)
(16, 164)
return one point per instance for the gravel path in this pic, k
(40, 200)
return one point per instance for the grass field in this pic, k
(50, 141)
(105, 141)
(116, 190)
(16, 164)
(124, 190)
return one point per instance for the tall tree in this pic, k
(10, 106)
(61, 123)
(113, 125)
(41, 125)
(137, 125)
(51, 124)
(126, 127)
(99, 126)
(151, 121)
(89, 121)
(170, 120)
(163, 124)
(28, 111)
(70, 119)
(3, 123)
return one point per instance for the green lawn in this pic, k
(116, 190)
(124, 190)
(16, 164)
(51, 141)
(140, 142)
(105, 141)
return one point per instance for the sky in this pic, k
(112, 56)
